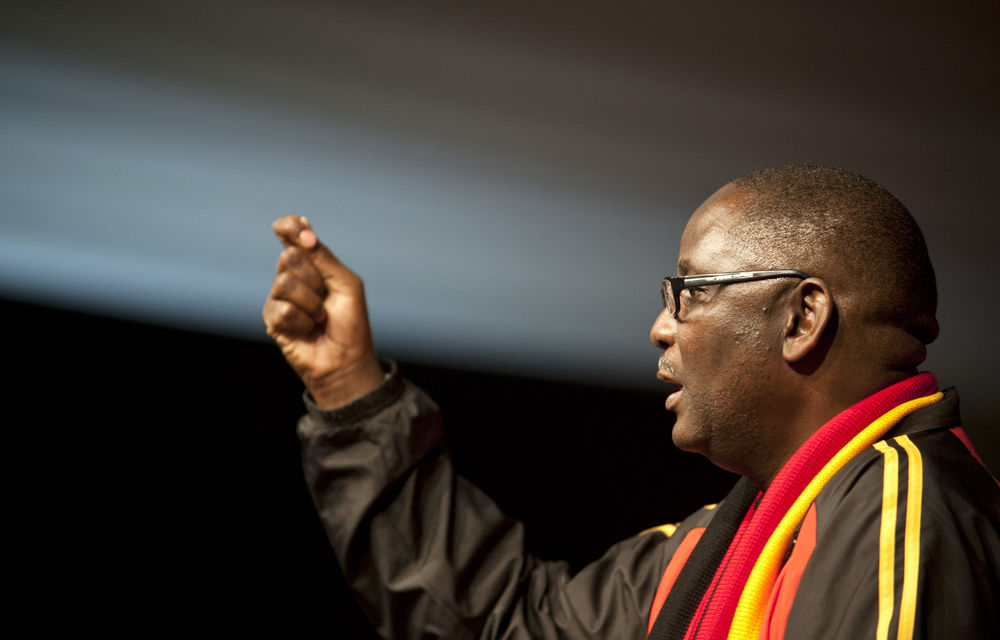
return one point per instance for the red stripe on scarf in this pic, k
(716, 610)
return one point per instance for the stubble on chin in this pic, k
(729, 439)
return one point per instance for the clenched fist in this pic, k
(316, 313)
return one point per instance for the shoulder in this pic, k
(932, 469)
(926, 451)
(922, 487)
(907, 537)
(667, 539)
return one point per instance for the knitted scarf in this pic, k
(723, 589)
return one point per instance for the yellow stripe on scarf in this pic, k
(751, 608)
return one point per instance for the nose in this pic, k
(663, 332)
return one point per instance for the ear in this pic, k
(810, 313)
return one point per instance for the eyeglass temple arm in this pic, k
(741, 276)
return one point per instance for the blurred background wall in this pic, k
(511, 181)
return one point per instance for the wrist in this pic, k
(347, 384)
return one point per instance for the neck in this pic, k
(813, 406)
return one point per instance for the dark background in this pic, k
(510, 179)
(163, 495)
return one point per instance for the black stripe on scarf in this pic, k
(698, 571)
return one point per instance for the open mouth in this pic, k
(666, 377)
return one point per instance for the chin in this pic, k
(687, 438)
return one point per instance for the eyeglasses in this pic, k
(672, 287)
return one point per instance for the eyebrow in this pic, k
(683, 266)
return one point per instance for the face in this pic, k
(720, 352)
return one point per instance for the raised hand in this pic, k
(316, 313)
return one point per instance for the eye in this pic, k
(697, 295)
(694, 293)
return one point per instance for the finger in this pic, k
(291, 289)
(284, 318)
(294, 230)
(297, 262)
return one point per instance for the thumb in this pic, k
(329, 266)
(297, 231)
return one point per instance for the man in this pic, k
(802, 308)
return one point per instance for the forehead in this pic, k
(713, 239)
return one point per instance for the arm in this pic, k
(426, 553)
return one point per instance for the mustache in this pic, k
(663, 365)
(665, 373)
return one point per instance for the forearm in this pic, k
(382, 485)
(351, 455)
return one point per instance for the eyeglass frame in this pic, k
(680, 283)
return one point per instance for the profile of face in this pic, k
(720, 350)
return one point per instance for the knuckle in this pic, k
(272, 320)
(293, 257)
(352, 280)
(315, 308)
(294, 260)
(284, 284)
(286, 313)
(268, 313)
(283, 260)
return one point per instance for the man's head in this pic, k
(844, 227)
(762, 364)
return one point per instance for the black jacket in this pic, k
(429, 555)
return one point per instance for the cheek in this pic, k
(724, 364)
(705, 353)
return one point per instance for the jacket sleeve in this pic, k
(429, 555)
